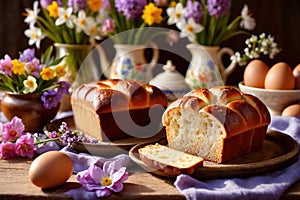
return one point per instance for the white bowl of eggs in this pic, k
(277, 87)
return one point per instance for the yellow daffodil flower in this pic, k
(152, 14)
(47, 74)
(94, 5)
(18, 67)
(60, 70)
(53, 9)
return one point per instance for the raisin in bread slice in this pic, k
(168, 160)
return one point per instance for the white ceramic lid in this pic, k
(170, 79)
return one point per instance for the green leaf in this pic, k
(56, 61)
(45, 58)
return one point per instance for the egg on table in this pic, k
(255, 73)
(280, 77)
(50, 169)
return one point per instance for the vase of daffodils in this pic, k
(33, 89)
(73, 26)
(206, 25)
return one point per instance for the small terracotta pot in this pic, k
(28, 107)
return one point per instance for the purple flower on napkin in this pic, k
(103, 181)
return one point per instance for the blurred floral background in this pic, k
(279, 18)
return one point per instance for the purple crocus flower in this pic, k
(12, 130)
(25, 146)
(218, 8)
(131, 9)
(51, 98)
(103, 181)
(7, 150)
(6, 66)
(45, 3)
(77, 5)
(194, 10)
(27, 56)
(64, 87)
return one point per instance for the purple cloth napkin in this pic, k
(267, 186)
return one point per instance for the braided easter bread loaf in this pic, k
(217, 124)
(116, 109)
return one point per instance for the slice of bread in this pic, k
(168, 160)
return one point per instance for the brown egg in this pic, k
(255, 73)
(292, 110)
(280, 77)
(296, 73)
(50, 169)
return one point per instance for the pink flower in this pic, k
(6, 66)
(33, 67)
(108, 26)
(7, 150)
(25, 146)
(12, 130)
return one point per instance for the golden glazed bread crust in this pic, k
(236, 121)
(107, 109)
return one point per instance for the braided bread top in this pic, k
(237, 111)
(117, 95)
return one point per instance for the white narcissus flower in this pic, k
(176, 15)
(190, 29)
(81, 21)
(247, 22)
(93, 30)
(30, 85)
(65, 16)
(35, 35)
(32, 14)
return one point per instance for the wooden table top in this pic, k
(15, 184)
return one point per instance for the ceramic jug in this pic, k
(206, 67)
(129, 62)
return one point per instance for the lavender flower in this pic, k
(77, 5)
(106, 4)
(194, 10)
(218, 8)
(103, 181)
(51, 98)
(6, 66)
(27, 55)
(12, 130)
(25, 146)
(131, 8)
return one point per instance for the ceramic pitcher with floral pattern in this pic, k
(206, 67)
(129, 62)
